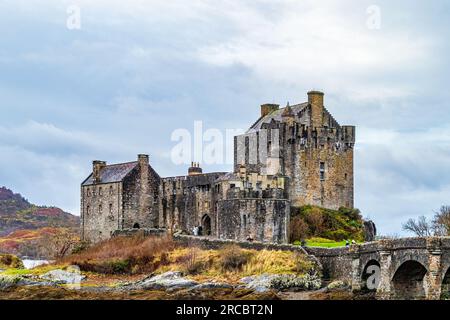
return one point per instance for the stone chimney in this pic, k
(144, 196)
(268, 108)
(315, 99)
(194, 169)
(97, 167)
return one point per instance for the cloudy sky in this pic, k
(135, 71)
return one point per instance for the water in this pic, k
(30, 264)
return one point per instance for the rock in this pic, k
(370, 231)
(212, 285)
(171, 280)
(297, 283)
(63, 276)
(266, 282)
(338, 284)
(261, 283)
(7, 282)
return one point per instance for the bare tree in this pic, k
(421, 227)
(441, 221)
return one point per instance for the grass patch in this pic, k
(123, 255)
(325, 243)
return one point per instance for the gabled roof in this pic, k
(112, 173)
(277, 116)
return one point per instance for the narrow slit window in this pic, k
(322, 171)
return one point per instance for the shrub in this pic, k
(123, 255)
(192, 264)
(233, 258)
(298, 229)
(302, 263)
(80, 247)
(8, 261)
(310, 221)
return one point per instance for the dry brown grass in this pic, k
(123, 255)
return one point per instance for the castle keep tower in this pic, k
(307, 145)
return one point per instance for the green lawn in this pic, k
(331, 244)
(324, 243)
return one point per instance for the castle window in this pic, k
(322, 171)
(100, 191)
(110, 208)
(111, 190)
(345, 176)
(232, 186)
(88, 192)
(88, 210)
(100, 209)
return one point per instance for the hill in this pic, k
(24, 225)
(16, 213)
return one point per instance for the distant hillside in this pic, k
(16, 213)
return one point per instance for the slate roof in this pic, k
(228, 176)
(276, 115)
(112, 173)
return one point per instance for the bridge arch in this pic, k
(408, 281)
(370, 275)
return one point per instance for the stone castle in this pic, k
(289, 157)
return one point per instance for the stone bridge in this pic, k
(410, 268)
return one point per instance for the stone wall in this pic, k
(258, 219)
(140, 197)
(101, 207)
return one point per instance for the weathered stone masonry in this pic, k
(289, 157)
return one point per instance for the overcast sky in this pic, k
(137, 70)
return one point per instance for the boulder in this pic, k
(7, 282)
(172, 280)
(370, 231)
(337, 284)
(212, 285)
(260, 283)
(281, 282)
(63, 276)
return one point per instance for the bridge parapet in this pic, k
(408, 267)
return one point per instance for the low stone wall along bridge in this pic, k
(410, 268)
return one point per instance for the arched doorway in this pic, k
(408, 281)
(136, 226)
(370, 277)
(206, 225)
(445, 293)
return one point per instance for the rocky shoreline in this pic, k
(169, 285)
